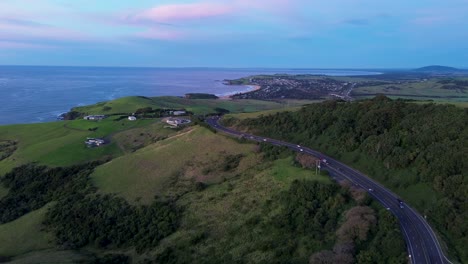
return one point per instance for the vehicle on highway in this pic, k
(371, 190)
(324, 161)
(301, 150)
(400, 202)
(298, 146)
(264, 139)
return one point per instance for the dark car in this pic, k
(400, 202)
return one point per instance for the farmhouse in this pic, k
(94, 117)
(175, 122)
(94, 142)
(132, 118)
(178, 113)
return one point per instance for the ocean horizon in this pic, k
(32, 94)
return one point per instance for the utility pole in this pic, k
(317, 167)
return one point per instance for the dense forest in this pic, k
(403, 144)
(32, 186)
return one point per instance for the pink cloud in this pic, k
(212, 9)
(166, 21)
(183, 12)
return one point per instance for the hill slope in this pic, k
(183, 159)
(437, 69)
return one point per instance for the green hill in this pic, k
(197, 106)
(193, 156)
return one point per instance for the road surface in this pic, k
(421, 241)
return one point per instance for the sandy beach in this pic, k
(252, 88)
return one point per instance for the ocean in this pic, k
(31, 94)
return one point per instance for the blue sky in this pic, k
(235, 33)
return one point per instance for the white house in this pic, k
(178, 113)
(94, 142)
(94, 117)
(132, 118)
(177, 121)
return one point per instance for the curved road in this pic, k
(422, 243)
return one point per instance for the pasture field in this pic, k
(62, 143)
(197, 106)
(51, 256)
(24, 234)
(283, 170)
(259, 113)
(155, 170)
(424, 90)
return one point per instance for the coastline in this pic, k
(252, 88)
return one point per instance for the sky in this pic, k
(235, 33)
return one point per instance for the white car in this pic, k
(301, 150)
(371, 190)
(298, 146)
(264, 139)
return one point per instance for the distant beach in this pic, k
(250, 88)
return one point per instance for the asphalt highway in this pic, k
(422, 243)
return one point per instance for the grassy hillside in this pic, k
(259, 113)
(61, 143)
(154, 170)
(24, 234)
(197, 106)
(51, 256)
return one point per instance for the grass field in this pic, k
(259, 113)
(283, 170)
(133, 139)
(157, 168)
(50, 256)
(457, 104)
(425, 90)
(197, 106)
(62, 143)
(23, 235)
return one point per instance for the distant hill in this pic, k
(437, 69)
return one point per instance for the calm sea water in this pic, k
(40, 94)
